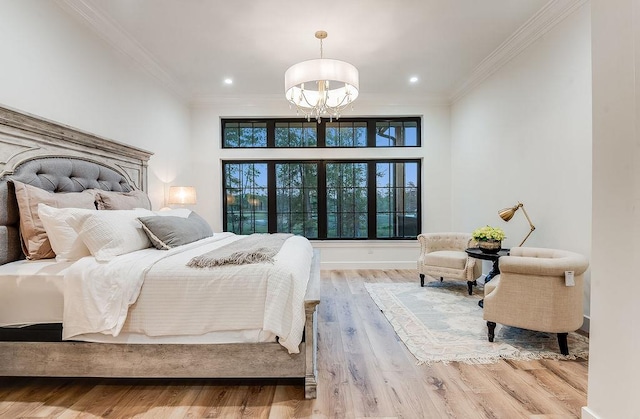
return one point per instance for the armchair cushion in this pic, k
(447, 259)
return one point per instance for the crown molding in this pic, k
(399, 100)
(548, 17)
(254, 100)
(121, 41)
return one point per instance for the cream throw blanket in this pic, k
(256, 248)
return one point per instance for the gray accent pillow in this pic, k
(109, 200)
(167, 232)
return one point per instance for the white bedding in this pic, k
(185, 301)
(31, 292)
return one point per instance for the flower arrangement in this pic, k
(488, 233)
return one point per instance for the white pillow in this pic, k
(65, 242)
(177, 212)
(108, 234)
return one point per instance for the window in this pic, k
(401, 133)
(244, 134)
(347, 132)
(297, 198)
(347, 200)
(351, 194)
(246, 198)
(369, 199)
(397, 199)
(296, 134)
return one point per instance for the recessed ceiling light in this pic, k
(228, 81)
(413, 79)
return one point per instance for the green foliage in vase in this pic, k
(488, 233)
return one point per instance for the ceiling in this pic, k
(193, 45)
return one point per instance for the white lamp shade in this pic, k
(183, 195)
(343, 78)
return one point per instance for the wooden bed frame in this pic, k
(24, 137)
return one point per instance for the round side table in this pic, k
(476, 253)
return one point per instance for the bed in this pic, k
(68, 160)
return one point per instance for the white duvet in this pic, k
(172, 300)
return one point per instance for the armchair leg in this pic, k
(441, 278)
(562, 343)
(422, 280)
(470, 285)
(492, 328)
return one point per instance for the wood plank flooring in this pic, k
(364, 371)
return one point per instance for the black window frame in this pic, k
(322, 197)
(321, 132)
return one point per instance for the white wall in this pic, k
(207, 156)
(524, 135)
(54, 67)
(614, 369)
(57, 68)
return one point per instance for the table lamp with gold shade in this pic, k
(507, 214)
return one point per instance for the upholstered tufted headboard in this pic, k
(58, 158)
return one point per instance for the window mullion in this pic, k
(321, 134)
(271, 134)
(322, 199)
(272, 218)
(372, 215)
(225, 200)
(371, 133)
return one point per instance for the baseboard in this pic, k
(392, 264)
(588, 413)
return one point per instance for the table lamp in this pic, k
(182, 195)
(507, 214)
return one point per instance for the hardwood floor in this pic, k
(365, 371)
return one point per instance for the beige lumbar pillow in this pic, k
(35, 242)
(109, 200)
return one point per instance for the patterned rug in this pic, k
(442, 323)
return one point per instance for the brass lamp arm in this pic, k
(530, 225)
(507, 213)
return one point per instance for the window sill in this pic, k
(350, 244)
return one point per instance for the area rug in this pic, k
(442, 323)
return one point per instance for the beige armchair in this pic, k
(531, 292)
(443, 255)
